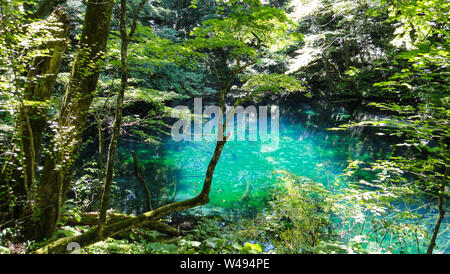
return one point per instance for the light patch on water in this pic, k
(265, 148)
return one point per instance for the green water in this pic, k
(246, 171)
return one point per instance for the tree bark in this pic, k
(91, 218)
(95, 235)
(100, 150)
(58, 168)
(102, 232)
(346, 51)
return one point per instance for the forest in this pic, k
(118, 132)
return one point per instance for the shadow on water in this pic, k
(161, 178)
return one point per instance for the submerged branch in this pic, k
(141, 180)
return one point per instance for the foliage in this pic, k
(404, 189)
(238, 44)
(305, 208)
(24, 45)
(394, 52)
(422, 61)
(341, 41)
(214, 236)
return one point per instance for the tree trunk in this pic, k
(441, 210)
(328, 73)
(32, 117)
(91, 219)
(150, 217)
(125, 39)
(42, 79)
(118, 116)
(58, 168)
(100, 150)
(346, 51)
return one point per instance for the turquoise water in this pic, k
(247, 170)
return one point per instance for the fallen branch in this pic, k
(91, 218)
(94, 235)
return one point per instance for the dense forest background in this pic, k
(77, 77)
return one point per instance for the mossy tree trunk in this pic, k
(32, 113)
(58, 168)
(41, 82)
